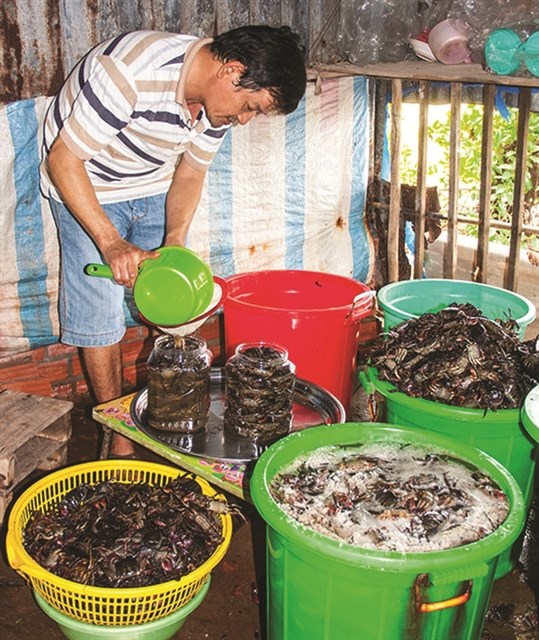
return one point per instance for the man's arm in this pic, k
(182, 201)
(71, 180)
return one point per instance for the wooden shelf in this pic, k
(419, 70)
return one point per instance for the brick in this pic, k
(81, 387)
(59, 350)
(38, 386)
(38, 355)
(63, 391)
(136, 351)
(135, 375)
(76, 367)
(56, 370)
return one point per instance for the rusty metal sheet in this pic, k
(40, 42)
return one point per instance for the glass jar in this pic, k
(179, 384)
(259, 386)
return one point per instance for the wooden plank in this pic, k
(395, 190)
(418, 70)
(57, 459)
(37, 453)
(23, 416)
(480, 272)
(5, 499)
(421, 191)
(7, 469)
(450, 257)
(524, 104)
(32, 428)
(59, 430)
(53, 460)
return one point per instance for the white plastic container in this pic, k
(448, 41)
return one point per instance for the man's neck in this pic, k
(201, 71)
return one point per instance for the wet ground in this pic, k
(234, 606)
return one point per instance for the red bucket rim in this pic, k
(351, 306)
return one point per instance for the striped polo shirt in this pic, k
(122, 110)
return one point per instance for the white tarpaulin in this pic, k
(282, 193)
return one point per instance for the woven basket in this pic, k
(100, 605)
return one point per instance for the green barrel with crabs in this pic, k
(510, 436)
(321, 588)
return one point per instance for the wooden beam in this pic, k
(524, 104)
(450, 257)
(421, 191)
(480, 271)
(395, 191)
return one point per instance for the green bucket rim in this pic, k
(154, 625)
(529, 414)
(386, 303)
(370, 381)
(277, 456)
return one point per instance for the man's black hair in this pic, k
(273, 60)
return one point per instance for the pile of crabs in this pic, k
(459, 357)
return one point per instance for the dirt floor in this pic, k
(234, 606)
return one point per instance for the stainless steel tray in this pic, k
(312, 406)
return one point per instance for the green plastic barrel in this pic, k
(529, 413)
(322, 589)
(401, 301)
(502, 434)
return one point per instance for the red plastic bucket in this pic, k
(314, 315)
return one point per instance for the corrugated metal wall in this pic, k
(41, 40)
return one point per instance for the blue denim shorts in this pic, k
(94, 312)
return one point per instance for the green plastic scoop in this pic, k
(170, 289)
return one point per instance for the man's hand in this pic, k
(124, 259)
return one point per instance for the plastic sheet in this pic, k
(483, 18)
(282, 193)
(377, 30)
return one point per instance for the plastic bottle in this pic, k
(513, 51)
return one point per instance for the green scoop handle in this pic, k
(98, 270)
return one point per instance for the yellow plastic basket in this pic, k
(100, 605)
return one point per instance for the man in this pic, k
(127, 144)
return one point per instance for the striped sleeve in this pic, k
(102, 109)
(201, 150)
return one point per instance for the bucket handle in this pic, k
(360, 305)
(422, 581)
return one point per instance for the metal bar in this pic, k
(480, 271)
(524, 103)
(421, 191)
(450, 257)
(393, 225)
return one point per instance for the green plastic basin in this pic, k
(161, 629)
(401, 301)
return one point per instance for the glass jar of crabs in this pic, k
(259, 383)
(179, 384)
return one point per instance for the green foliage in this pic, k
(503, 167)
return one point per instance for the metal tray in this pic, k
(312, 406)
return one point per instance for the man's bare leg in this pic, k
(104, 367)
